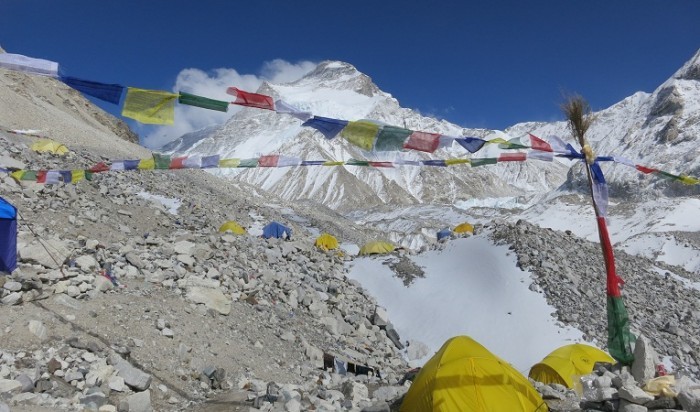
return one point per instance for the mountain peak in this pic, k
(340, 76)
(691, 69)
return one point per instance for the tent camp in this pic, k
(464, 376)
(464, 228)
(565, 363)
(232, 227)
(8, 236)
(277, 230)
(50, 146)
(444, 234)
(376, 248)
(326, 242)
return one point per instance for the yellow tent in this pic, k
(326, 242)
(48, 145)
(233, 227)
(464, 228)
(563, 364)
(464, 376)
(377, 247)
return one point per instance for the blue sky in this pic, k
(478, 64)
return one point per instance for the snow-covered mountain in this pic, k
(338, 90)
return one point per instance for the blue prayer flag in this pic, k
(108, 92)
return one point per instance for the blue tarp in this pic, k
(8, 236)
(443, 234)
(277, 230)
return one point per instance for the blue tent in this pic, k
(444, 233)
(277, 230)
(8, 236)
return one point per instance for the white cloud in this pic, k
(213, 84)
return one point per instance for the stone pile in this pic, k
(626, 389)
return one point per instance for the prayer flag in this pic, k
(111, 93)
(538, 144)
(423, 141)
(313, 162)
(52, 177)
(192, 162)
(545, 156)
(18, 174)
(177, 163)
(150, 106)
(645, 170)
(513, 143)
(284, 107)
(559, 146)
(161, 161)
(450, 162)
(210, 161)
(331, 163)
(146, 164)
(484, 161)
(99, 167)
(620, 338)
(77, 175)
(381, 164)
(440, 163)
(28, 64)
(391, 138)
(512, 157)
(203, 102)
(131, 164)
(248, 163)
(355, 162)
(229, 162)
(472, 144)
(251, 99)
(327, 126)
(117, 165)
(284, 161)
(268, 161)
(623, 160)
(66, 176)
(689, 180)
(361, 134)
(41, 176)
(404, 162)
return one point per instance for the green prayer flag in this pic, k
(620, 339)
(355, 162)
(391, 138)
(484, 161)
(161, 161)
(203, 102)
(248, 163)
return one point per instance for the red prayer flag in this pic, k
(381, 164)
(512, 157)
(425, 142)
(100, 167)
(268, 161)
(646, 170)
(539, 144)
(260, 101)
(41, 176)
(178, 162)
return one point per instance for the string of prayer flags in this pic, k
(248, 99)
(111, 93)
(150, 106)
(203, 102)
(26, 64)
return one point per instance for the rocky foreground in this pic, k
(124, 306)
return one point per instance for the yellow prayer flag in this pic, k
(498, 140)
(689, 180)
(450, 162)
(229, 162)
(77, 175)
(361, 134)
(17, 175)
(333, 163)
(147, 164)
(150, 106)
